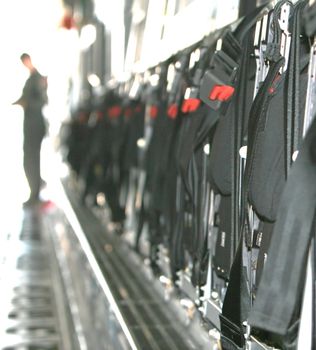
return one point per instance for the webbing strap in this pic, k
(297, 71)
(237, 299)
(280, 285)
(250, 20)
(310, 19)
(293, 95)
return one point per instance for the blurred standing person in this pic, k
(33, 99)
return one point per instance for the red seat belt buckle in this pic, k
(114, 112)
(221, 93)
(173, 111)
(190, 105)
(153, 112)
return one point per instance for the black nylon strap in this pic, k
(222, 259)
(237, 300)
(310, 20)
(293, 91)
(245, 6)
(296, 97)
(250, 20)
(280, 286)
(314, 288)
(264, 239)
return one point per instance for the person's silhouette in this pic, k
(33, 98)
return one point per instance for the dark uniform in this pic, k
(33, 99)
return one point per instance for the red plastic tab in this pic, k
(190, 105)
(221, 93)
(114, 111)
(153, 112)
(173, 111)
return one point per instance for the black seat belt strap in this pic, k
(280, 285)
(292, 124)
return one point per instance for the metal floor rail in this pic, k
(69, 283)
(33, 308)
(117, 306)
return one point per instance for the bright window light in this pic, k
(94, 80)
(54, 52)
(88, 36)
